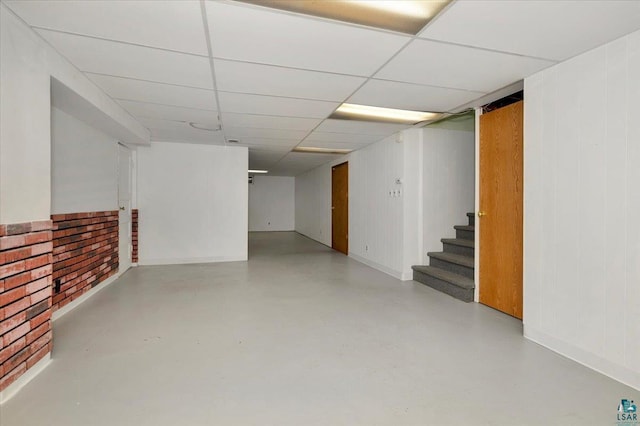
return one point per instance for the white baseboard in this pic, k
(21, 381)
(611, 369)
(395, 274)
(75, 303)
(189, 260)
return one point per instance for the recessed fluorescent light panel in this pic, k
(407, 17)
(314, 150)
(385, 115)
(258, 171)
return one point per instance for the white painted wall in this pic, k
(27, 64)
(84, 166)
(313, 204)
(271, 203)
(582, 228)
(448, 184)
(193, 202)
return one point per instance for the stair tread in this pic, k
(458, 259)
(450, 277)
(465, 227)
(470, 214)
(459, 242)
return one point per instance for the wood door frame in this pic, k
(125, 262)
(333, 245)
(478, 224)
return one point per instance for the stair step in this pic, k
(454, 285)
(465, 232)
(456, 263)
(458, 246)
(458, 259)
(472, 218)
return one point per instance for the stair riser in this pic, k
(452, 267)
(465, 251)
(464, 235)
(466, 295)
(472, 220)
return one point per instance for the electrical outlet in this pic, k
(57, 286)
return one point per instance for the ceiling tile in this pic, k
(357, 138)
(157, 93)
(446, 65)
(271, 105)
(240, 77)
(126, 60)
(545, 29)
(166, 112)
(269, 121)
(248, 132)
(333, 145)
(391, 94)
(360, 127)
(256, 34)
(269, 144)
(140, 22)
(296, 163)
(187, 135)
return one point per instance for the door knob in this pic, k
(481, 213)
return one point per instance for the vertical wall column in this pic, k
(25, 297)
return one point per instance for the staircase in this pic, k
(451, 271)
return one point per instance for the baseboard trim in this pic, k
(379, 267)
(77, 302)
(189, 260)
(610, 369)
(21, 381)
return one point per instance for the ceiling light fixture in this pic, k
(387, 115)
(258, 171)
(315, 150)
(207, 127)
(407, 17)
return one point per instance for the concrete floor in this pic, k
(299, 335)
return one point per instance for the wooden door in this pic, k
(340, 208)
(500, 214)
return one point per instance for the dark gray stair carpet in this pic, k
(447, 282)
(452, 270)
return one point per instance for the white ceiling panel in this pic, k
(391, 94)
(256, 34)
(360, 127)
(333, 145)
(295, 163)
(269, 121)
(446, 65)
(249, 132)
(240, 77)
(126, 60)
(545, 29)
(358, 138)
(140, 22)
(269, 144)
(157, 93)
(271, 105)
(166, 112)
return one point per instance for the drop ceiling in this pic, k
(271, 78)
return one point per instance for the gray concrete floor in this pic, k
(299, 335)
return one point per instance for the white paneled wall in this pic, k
(271, 203)
(313, 204)
(199, 216)
(448, 184)
(582, 204)
(375, 213)
(84, 166)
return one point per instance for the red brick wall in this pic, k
(134, 235)
(85, 253)
(25, 297)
